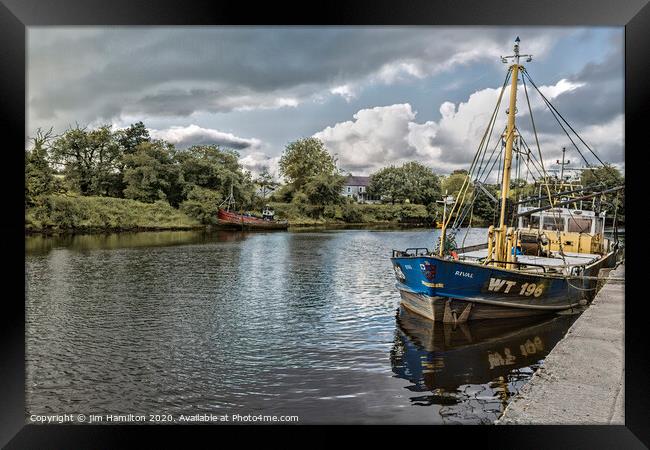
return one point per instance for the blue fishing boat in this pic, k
(538, 259)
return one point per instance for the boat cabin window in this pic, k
(553, 222)
(579, 224)
(534, 222)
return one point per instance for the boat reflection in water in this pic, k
(472, 369)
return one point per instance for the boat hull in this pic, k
(230, 220)
(455, 291)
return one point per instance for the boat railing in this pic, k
(414, 251)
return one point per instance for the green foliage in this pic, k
(453, 182)
(313, 181)
(202, 204)
(330, 212)
(39, 179)
(324, 189)
(422, 185)
(266, 182)
(351, 214)
(284, 194)
(90, 160)
(130, 138)
(127, 163)
(605, 177)
(210, 167)
(151, 175)
(71, 212)
(304, 159)
(388, 183)
(300, 212)
(485, 209)
(412, 182)
(304, 208)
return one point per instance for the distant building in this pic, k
(357, 188)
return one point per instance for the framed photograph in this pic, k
(239, 216)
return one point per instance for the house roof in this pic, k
(357, 181)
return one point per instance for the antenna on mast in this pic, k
(516, 56)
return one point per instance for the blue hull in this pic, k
(435, 287)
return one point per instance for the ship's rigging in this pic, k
(499, 153)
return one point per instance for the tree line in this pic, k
(128, 163)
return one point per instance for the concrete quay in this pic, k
(582, 378)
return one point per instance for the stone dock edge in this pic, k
(582, 379)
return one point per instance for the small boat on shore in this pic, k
(229, 219)
(244, 221)
(538, 259)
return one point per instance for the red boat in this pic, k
(231, 219)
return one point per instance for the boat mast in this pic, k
(501, 251)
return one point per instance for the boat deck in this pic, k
(572, 259)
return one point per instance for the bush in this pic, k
(351, 214)
(202, 204)
(329, 212)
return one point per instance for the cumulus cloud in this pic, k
(184, 137)
(254, 160)
(258, 162)
(380, 136)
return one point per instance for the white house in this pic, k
(357, 188)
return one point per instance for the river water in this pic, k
(302, 323)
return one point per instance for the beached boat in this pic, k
(547, 260)
(245, 221)
(229, 219)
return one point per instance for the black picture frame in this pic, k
(16, 15)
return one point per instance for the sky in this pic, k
(376, 96)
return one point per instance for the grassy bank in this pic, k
(306, 215)
(67, 213)
(81, 214)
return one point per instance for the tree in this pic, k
(485, 208)
(284, 193)
(389, 183)
(106, 177)
(39, 180)
(325, 189)
(130, 138)
(412, 181)
(422, 186)
(604, 177)
(202, 204)
(304, 159)
(150, 174)
(453, 182)
(128, 141)
(607, 177)
(210, 167)
(89, 159)
(519, 188)
(266, 182)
